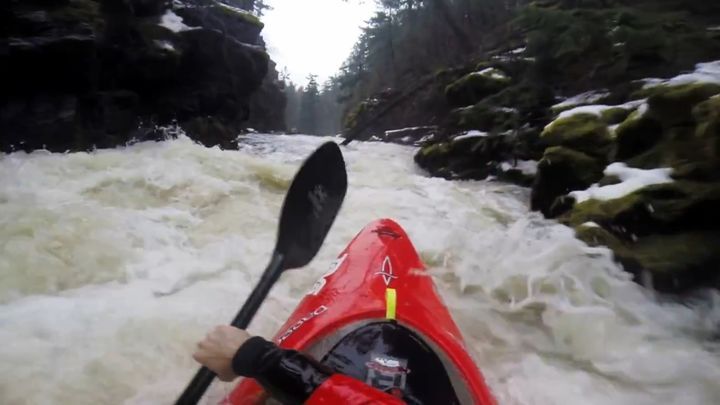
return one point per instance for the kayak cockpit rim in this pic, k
(323, 345)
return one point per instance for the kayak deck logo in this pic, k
(387, 271)
(317, 312)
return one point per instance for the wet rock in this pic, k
(81, 74)
(560, 171)
(412, 135)
(667, 263)
(638, 133)
(673, 105)
(666, 234)
(484, 116)
(583, 132)
(475, 86)
(231, 21)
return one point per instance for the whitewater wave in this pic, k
(113, 263)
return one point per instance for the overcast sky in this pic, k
(313, 36)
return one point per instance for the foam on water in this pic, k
(113, 263)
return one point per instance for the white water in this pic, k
(112, 264)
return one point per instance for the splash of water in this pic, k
(113, 263)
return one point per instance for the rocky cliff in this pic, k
(609, 111)
(80, 74)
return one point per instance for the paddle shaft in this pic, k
(204, 376)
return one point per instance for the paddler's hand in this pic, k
(216, 351)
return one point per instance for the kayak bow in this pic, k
(378, 279)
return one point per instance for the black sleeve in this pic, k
(286, 375)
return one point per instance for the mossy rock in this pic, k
(515, 176)
(464, 145)
(673, 105)
(473, 157)
(433, 157)
(358, 114)
(560, 171)
(637, 134)
(475, 86)
(239, 14)
(530, 98)
(673, 263)
(679, 262)
(493, 148)
(664, 208)
(485, 117)
(583, 132)
(691, 155)
(626, 211)
(707, 116)
(615, 115)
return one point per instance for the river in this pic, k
(114, 263)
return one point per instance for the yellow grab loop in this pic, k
(390, 303)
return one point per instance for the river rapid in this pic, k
(114, 263)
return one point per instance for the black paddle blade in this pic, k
(311, 205)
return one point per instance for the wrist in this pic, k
(245, 362)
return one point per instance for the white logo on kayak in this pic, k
(334, 266)
(319, 311)
(387, 271)
(317, 198)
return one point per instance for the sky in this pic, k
(313, 36)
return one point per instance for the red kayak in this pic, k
(375, 316)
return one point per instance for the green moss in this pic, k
(637, 134)
(662, 208)
(437, 149)
(679, 147)
(475, 86)
(584, 168)
(598, 236)
(602, 212)
(239, 14)
(352, 118)
(707, 116)
(615, 115)
(485, 117)
(669, 262)
(673, 105)
(433, 158)
(560, 171)
(660, 254)
(677, 253)
(583, 132)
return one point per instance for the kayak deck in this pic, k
(378, 277)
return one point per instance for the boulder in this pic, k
(638, 133)
(583, 132)
(477, 156)
(560, 171)
(665, 208)
(475, 86)
(707, 117)
(233, 22)
(615, 115)
(434, 158)
(669, 263)
(673, 104)
(485, 117)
